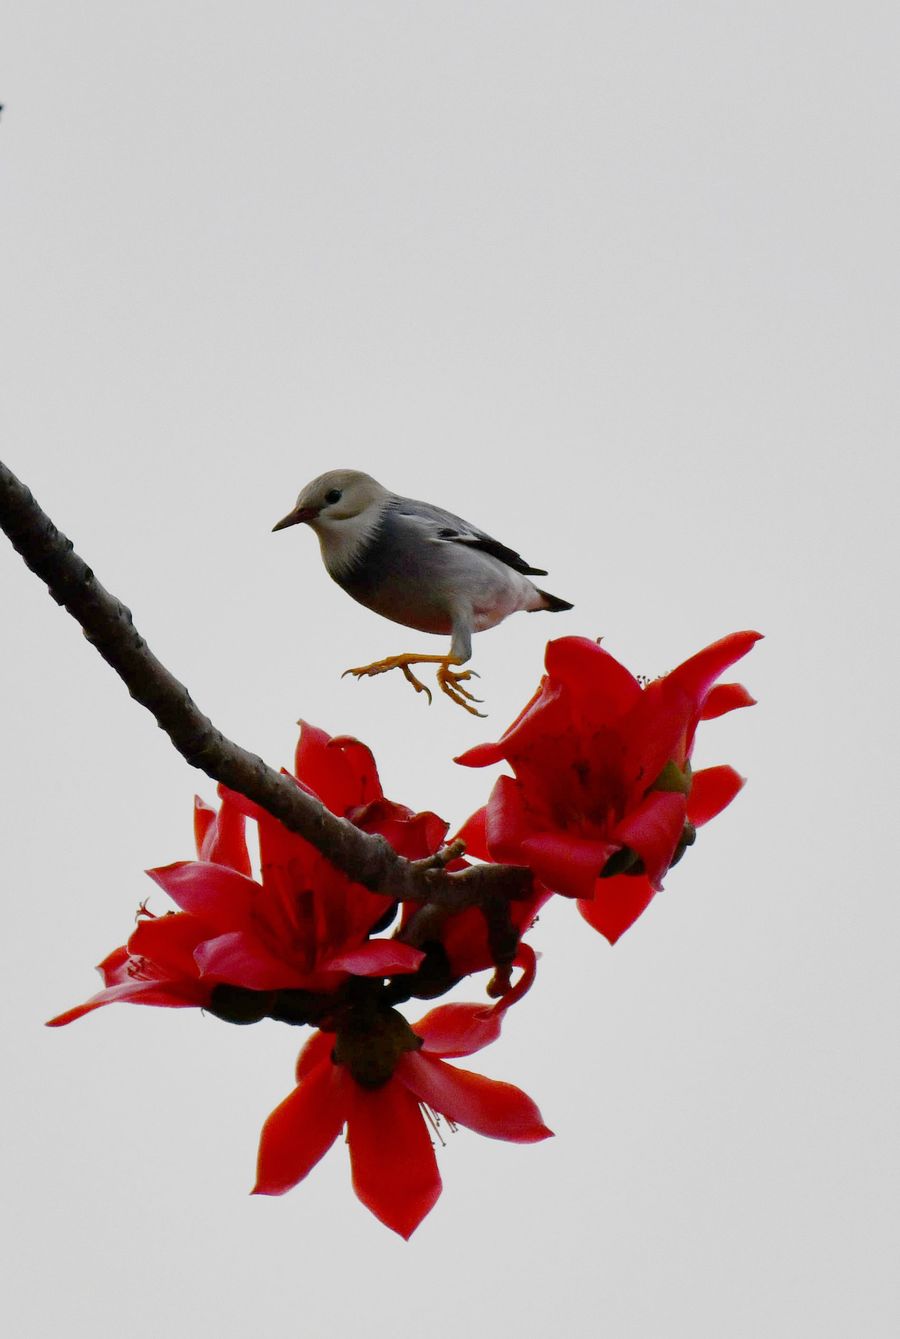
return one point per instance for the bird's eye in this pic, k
(333, 495)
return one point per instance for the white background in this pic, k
(617, 282)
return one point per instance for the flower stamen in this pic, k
(434, 1119)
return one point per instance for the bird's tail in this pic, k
(553, 602)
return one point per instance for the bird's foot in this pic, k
(449, 681)
(401, 663)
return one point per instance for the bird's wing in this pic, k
(442, 527)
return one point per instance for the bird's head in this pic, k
(335, 497)
(342, 506)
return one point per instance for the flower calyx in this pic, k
(370, 1041)
(674, 779)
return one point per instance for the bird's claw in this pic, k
(450, 681)
(419, 686)
(393, 662)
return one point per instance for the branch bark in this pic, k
(367, 859)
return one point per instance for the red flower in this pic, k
(304, 925)
(307, 920)
(603, 778)
(393, 1163)
(156, 966)
(341, 772)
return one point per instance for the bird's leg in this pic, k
(449, 681)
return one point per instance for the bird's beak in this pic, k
(296, 517)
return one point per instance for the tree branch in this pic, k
(365, 858)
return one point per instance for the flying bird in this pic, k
(417, 565)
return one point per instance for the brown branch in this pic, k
(365, 858)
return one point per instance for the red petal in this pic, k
(473, 833)
(616, 904)
(653, 732)
(583, 682)
(108, 996)
(316, 1051)
(653, 830)
(169, 995)
(394, 1168)
(301, 1130)
(411, 835)
(242, 961)
(277, 843)
(341, 771)
(169, 943)
(279, 846)
(361, 770)
(481, 755)
(343, 912)
(526, 958)
(564, 862)
(725, 697)
(453, 1030)
(458, 1029)
(593, 676)
(114, 967)
(505, 822)
(532, 716)
(249, 808)
(498, 1110)
(315, 767)
(220, 896)
(379, 957)
(712, 790)
(204, 817)
(223, 841)
(542, 696)
(696, 675)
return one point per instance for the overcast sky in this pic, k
(617, 282)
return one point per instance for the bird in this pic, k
(418, 565)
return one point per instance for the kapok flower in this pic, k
(156, 966)
(603, 784)
(303, 925)
(381, 1082)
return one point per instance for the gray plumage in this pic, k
(415, 563)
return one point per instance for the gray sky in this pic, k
(617, 282)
